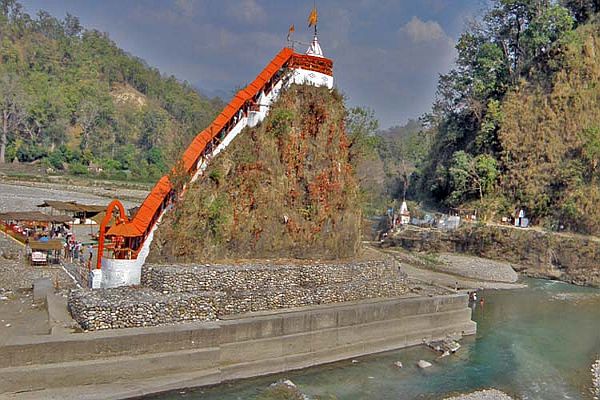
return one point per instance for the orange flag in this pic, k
(313, 18)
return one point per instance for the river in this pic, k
(534, 343)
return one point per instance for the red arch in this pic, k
(105, 220)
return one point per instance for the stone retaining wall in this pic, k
(261, 277)
(182, 293)
(136, 307)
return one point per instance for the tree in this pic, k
(472, 174)
(10, 8)
(487, 137)
(515, 40)
(12, 105)
(88, 117)
(73, 80)
(71, 26)
(154, 126)
(544, 30)
(361, 126)
(582, 10)
(49, 26)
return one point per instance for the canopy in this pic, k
(72, 206)
(45, 246)
(34, 216)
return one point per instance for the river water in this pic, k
(535, 343)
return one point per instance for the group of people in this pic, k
(473, 299)
(75, 251)
(45, 233)
(59, 231)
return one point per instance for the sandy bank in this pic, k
(451, 272)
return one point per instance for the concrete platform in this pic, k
(132, 362)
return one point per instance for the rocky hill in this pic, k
(283, 189)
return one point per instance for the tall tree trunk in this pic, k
(4, 137)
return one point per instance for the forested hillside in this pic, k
(385, 160)
(517, 122)
(72, 100)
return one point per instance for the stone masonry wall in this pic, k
(128, 307)
(181, 293)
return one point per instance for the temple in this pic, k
(124, 246)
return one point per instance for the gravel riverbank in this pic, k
(25, 197)
(488, 394)
(477, 268)
(596, 379)
(448, 271)
(19, 316)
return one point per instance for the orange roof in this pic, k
(127, 230)
(151, 204)
(194, 150)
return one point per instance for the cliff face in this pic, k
(570, 258)
(283, 189)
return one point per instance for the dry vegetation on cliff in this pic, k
(283, 189)
(551, 139)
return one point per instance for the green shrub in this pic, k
(78, 169)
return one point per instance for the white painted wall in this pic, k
(115, 273)
(306, 77)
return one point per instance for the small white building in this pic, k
(404, 214)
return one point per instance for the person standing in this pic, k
(71, 251)
(90, 256)
(27, 248)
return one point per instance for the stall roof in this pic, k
(49, 245)
(34, 216)
(72, 206)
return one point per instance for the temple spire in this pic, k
(313, 19)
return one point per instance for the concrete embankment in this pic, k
(136, 361)
(571, 258)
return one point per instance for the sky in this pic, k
(387, 54)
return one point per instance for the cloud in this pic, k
(423, 31)
(379, 62)
(247, 11)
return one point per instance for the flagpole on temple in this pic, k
(316, 18)
(313, 18)
(314, 49)
(289, 36)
